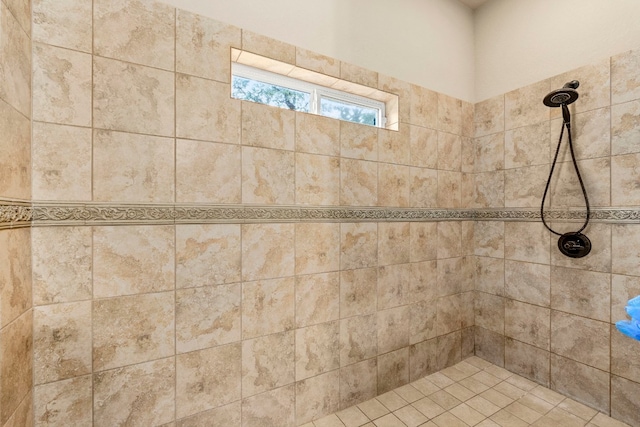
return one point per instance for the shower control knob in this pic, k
(574, 245)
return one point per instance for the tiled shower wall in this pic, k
(15, 244)
(538, 313)
(274, 322)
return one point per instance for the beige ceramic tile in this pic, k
(136, 31)
(393, 243)
(423, 107)
(565, 189)
(132, 168)
(449, 314)
(317, 396)
(489, 190)
(580, 339)
(66, 23)
(267, 251)
(358, 383)
(272, 408)
(489, 239)
(133, 98)
(584, 293)
(227, 415)
(207, 316)
(61, 162)
(586, 384)
(316, 62)
(423, 190)
(358, 292)
(449, 239)
(490, 275)
(203, 45)
(264, 183)
(72, 400)
(449, 187)
(527, 323)
(132, 329)
(207, 172)
(267, 307)
(394, 146)
(490, 312)
(394, 285)
(527, 146)
(599, 258)
(358, 245)
(356, 74)
(449, 151)
(61, 86)
(317, 298)
(423, 144)
(623, 288)
(358, 183)
(523, 106)
(316, 134)
(393, 329)
(594, 87)
(317, 179)
(317, 247)
(317, 349)
(61, 341)
(393, 370)
(528, 282)
(207, 254)
(624, 400)
(423, 234)
(625, 85)
(449, 114)
(490, 152)
(132, 260)
(21, 10)
(591, 136)
(489, 116)
(15, 76)
(205, 110)
(15, 262)
(268, 127)
(402, 90)
(527, 242)
(357, 141)
(468, 153)
(524, 187)
(62, 264)
(526, 360)
(455, 275)
(358, 338)
(15, 153)
(625, 249)
(142, 394)
(268, 362)
(17, 363)
(625, 128)
(422, 359)
(268, 47)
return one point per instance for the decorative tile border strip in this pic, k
(14, 214)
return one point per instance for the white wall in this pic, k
(519, 42)
(427, 42)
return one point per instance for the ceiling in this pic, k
(474, 4)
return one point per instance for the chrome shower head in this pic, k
(564, 96)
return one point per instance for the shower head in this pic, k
(564, 96)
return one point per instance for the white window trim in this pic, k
(317, 92)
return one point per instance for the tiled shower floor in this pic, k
(471, 393)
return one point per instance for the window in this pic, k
(255, 84)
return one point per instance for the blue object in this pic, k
(631, 328)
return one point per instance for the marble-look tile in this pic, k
(394, 285)
(142, 394)
(358, 339)
(489, 346)
(268, 47)
(490, 312)
(528, 282)
(61, 162)
(625, 249)
(489, 116)
(393, 370)
(490, 275)
(15, 75)
(358, 183)
(625, 128)
(316, 134)
(66, 23)
(400, 88)
(393, 243)
(528, 361)
(208, 172)
(393, 185)
(317, 349)
(132, 329)
(590, 132)
(267, 307)
(594, 87)
(527, 146)
(423, 237)
(358, 245)
(625, 83)
(207, 254)
(267, 251)
(423, 191)
(64, 402)
(449, 314)
(205, 111)
(449, 151)
(490, 189)
(599, 259)
(15, 276)
(524, 187)
(130, 167)
(61, 86)
(356, 141)
(584, 293)
(393, 329)
(21, 10)
(489, 239)
(423, 147)
(468, 155)
(261, 182)
(449, 187)
(15, 153)
(526, 241)
(135, 31)
(207, 316)
(527, 323)
(268, 362)
(623, 288)
(449, 239)
(466, 117)
(623, 360)
(62, 263)
(16, 372)
(317, 396)
(267, 127)
(584, 383)
(523, 107)
(489, 153)
(203, 45)
(317, 179)
(422, 359)
(317, 298)
(423, 107)
(449, 114)
(358, 383)
(222, 416)
(624, 400)
(565, 188)
(275, 408)
(358, 292)
(132, 260)
(580, 339)
(313, 61)
(449, 349)
(133, 98)
(394, 146)
(61, 341)
(359, 75)
(455, 275)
